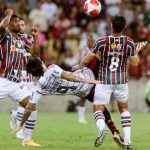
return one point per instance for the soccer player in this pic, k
(28, 82)
(12, 49)
(52, 82)
(114, 51)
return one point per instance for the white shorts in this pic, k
(29, 86)
(103, 93)
(16, 91)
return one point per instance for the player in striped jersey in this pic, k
(27, 80)
(114, 51)
(12, 48)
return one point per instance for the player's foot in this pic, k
(118, 139)
(30, 143)
(12, 122)
(82, 120)
(127, 145)
(100, 137)
(20, 134)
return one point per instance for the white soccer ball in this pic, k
(92, 7)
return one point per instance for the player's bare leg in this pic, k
(29, 125)
(111, 125)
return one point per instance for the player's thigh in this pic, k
(121, 93)
(102, 94)
(5, 88)
(19, 92)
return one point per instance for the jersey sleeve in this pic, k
(132, 49)
(56, 70)
(2, 36)
(28, 43)
(97, 47)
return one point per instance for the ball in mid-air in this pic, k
(92, 7)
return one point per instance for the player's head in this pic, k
(35, 67)
(14, 24)
(22, 25)
(118, 23)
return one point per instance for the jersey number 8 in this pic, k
(114, 64)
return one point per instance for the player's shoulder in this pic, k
(101, 39)
(129, 39)
(55, 69)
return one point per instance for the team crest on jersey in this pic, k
(113, 45)
(17, 47)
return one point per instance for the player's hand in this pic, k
(9, 12)
(93, 81)
(35, 31)
(76, 67)
(140, 46)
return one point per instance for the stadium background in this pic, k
(63, 33)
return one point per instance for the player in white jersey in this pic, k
(54, 81)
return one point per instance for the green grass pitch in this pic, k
(61, 131)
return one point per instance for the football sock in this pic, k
(126, 124)
(29, 125)
(100, 119)
(81, 111)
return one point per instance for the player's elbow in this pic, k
(134, 61)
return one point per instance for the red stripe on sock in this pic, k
(126, 126)
(127, 117)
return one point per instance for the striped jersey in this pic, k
(114, 53)
(52, 83)
(26, 77)
(12, 49)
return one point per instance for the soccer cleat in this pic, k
(100, 137)
(82, 121)
(118, 139)
(127, 145)
(20, 134)
(30, 143)
(12, 122)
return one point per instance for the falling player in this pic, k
(52, 82)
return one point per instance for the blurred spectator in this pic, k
(112, 7)
(51, 9)
(39, 18)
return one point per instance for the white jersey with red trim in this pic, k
(52, 83)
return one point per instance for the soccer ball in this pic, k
(92, 7)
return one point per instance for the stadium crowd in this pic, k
(63, 27)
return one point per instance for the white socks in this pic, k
(126, 125)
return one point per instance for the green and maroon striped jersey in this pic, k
(26, 77)
(114, 53)
(11, 55)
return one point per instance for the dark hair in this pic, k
(118, 23)
(14, 16)
(34, 66)
(20, 18)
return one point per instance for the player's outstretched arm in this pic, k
(90, 55)
(4, 23)
(70, 77)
